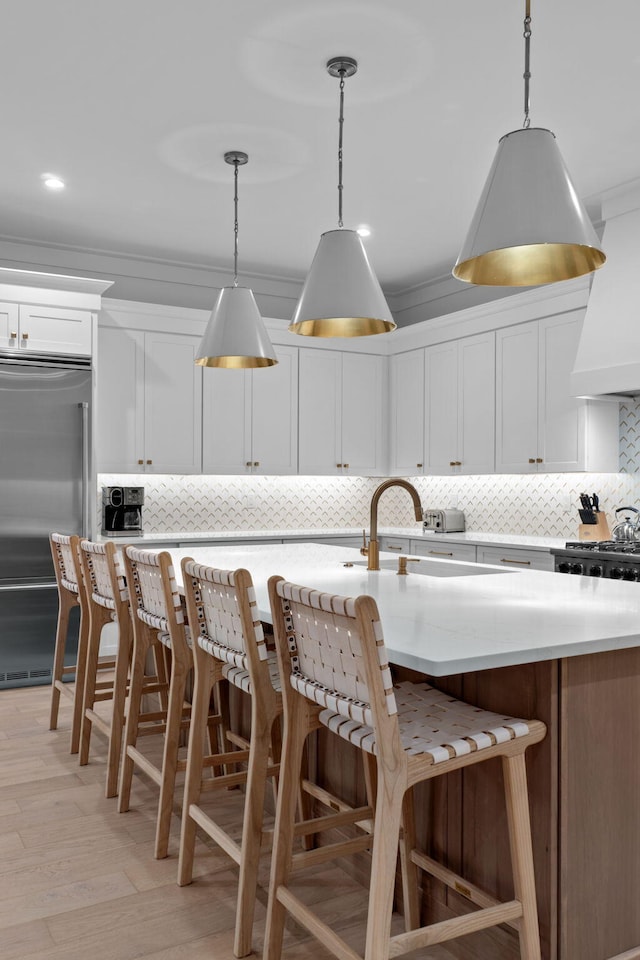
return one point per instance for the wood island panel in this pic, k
(600, 806)
(584, 790)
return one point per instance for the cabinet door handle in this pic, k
(256, 463)
(522, 563)
(532, 459)
(440, 553)
(140, 462)
(338, 465)
(458, 463)
(249, 463)
(346, 466)
(25, 336)
(149, 462)
(452, 463)
(419, 465)
(539, 460)
(13, 336)
(393, 546)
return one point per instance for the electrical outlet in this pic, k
(251, 503)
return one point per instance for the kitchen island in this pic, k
(565, 650)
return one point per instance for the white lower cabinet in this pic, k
(341, 403)
(149, 402)
(44, 329)
(444, 551)
(517, 558)
(250, 422)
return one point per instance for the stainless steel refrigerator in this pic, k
(45, 483)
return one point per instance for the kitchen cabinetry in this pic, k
(460, 406)
(341, 405)
(250, 422)
(406, 426)
(539, 426)
(516, 557)
(43, 329)
(149, 402)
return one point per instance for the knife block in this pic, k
(595, 531)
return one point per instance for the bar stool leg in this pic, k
(123, 661)
(388, 819)
(131, 727)
(515, 783)
(78, 699)
(295, 734)
(62, 629)
(177, 688)
(203, 681)
(96, 621)
(252, 830)
(410, 872)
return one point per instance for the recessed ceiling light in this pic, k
(52, 182)
(363, 230)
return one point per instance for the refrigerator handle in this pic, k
(84, 407)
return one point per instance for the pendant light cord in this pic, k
(235, 223)
(527, 71)
(340, 126)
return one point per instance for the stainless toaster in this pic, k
(443, 521)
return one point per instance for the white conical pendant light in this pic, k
(236, 336)
(530, 226)
(341, 296)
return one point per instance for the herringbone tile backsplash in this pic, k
(544, 504)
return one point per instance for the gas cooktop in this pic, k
(606, 546)
(611, 559)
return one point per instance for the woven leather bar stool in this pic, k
(158, 625)
(108, 600)
(71, 593)
(335, 672)
(229, 643)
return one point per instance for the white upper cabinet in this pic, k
(517, 398)
(149, 400)
(460, 406)
(44, 329)
(250, 422)
(341, 401)
(540, 427)
(407, 409)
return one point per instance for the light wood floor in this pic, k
(78, 880)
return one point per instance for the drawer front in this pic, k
(444, 550)
(516, 558)
(395, 544)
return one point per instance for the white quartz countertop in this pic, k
(440, 624)
(471, 536)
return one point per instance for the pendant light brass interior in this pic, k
(530, 226)
(236, 337)
(341, 296)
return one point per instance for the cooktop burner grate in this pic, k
(606, 546)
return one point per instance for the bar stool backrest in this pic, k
(104, 575)
(227, 624)
(154, 595)
(66, 561)
(332, 651)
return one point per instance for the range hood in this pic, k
(608, 356)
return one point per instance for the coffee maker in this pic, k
(122, 511)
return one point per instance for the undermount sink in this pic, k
(435, 568)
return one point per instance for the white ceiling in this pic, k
(134, 102)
